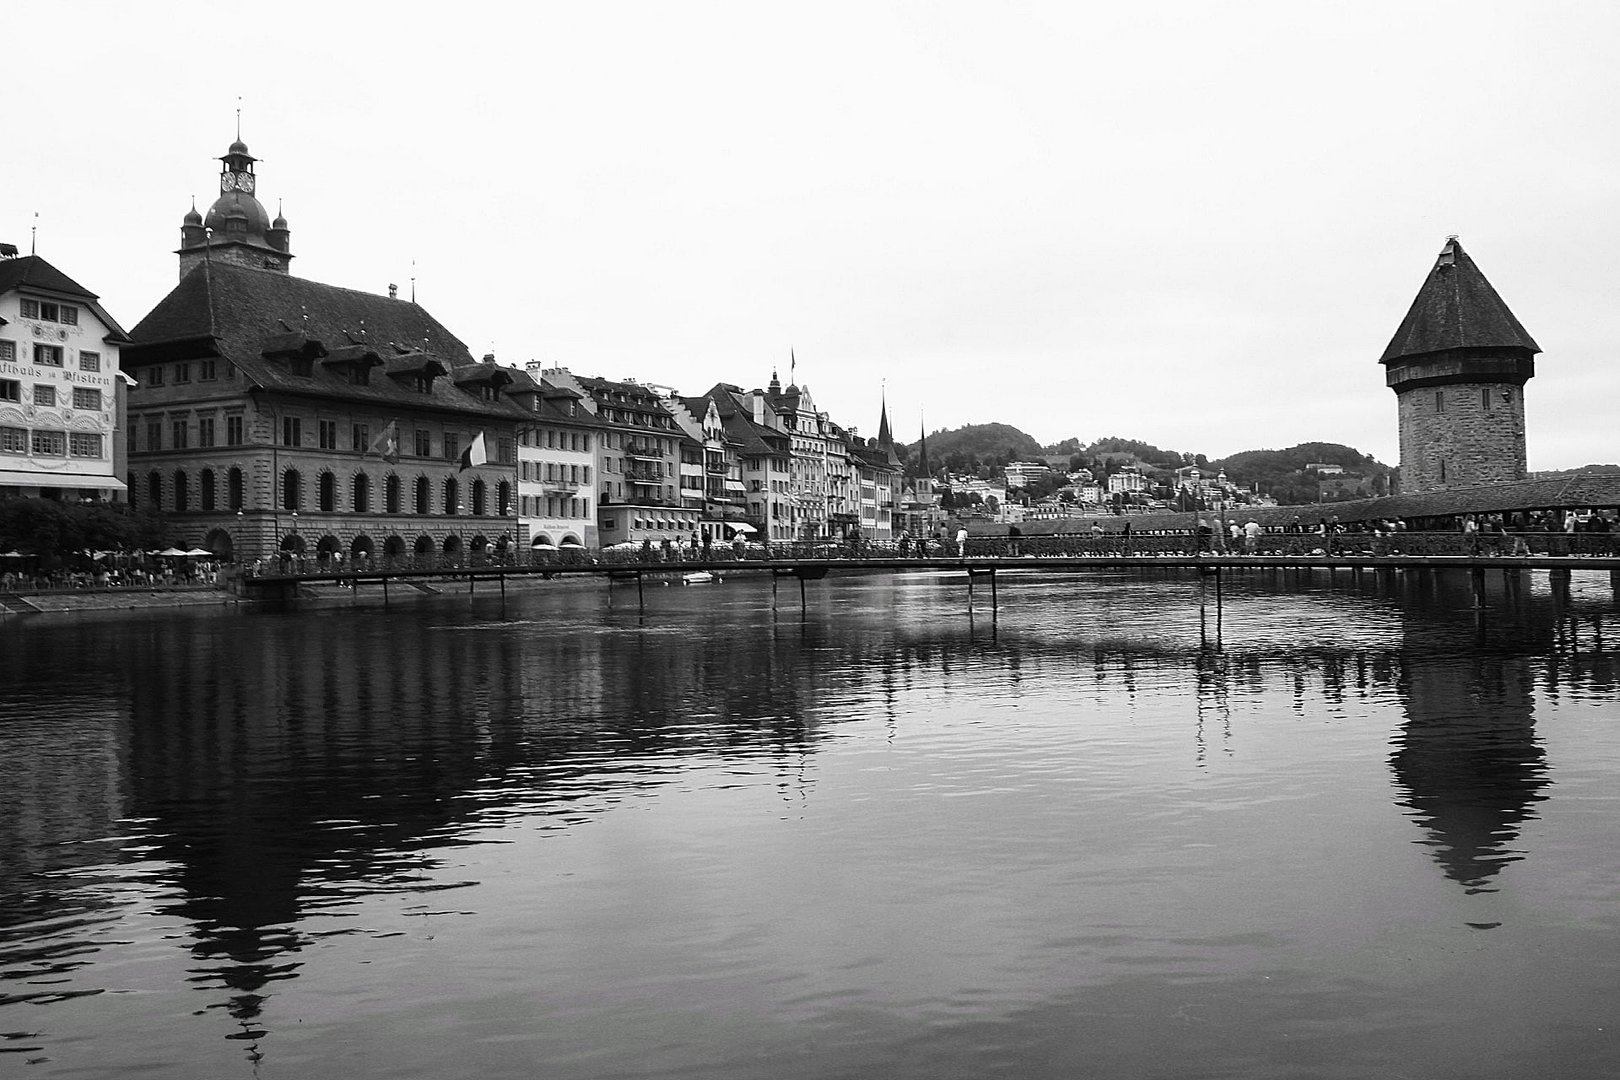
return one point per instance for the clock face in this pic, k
(244, 182)
(227, 182)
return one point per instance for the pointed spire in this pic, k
(922, 448)
(1457, 309)
(885, 437)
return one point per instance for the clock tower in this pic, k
(236, 229)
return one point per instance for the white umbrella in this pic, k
(199, 552)
(542, 547)
(742, 527)
(169, 551)
(571, 544)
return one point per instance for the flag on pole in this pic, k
(475, 454)
(386, 444)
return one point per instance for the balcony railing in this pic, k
(650, 474)
(638, 449)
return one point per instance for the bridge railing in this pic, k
(1297, 545)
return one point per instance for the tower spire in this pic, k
(885, 437)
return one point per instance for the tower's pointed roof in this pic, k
(885, 437)
(1457, 309)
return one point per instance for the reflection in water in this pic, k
(1468, 762)
(255, 779)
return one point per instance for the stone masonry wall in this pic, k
(1461, 434)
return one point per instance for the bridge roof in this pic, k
(1584, 489)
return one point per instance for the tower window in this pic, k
(1442, 470)
(1439, 401)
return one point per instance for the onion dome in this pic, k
(192, 216)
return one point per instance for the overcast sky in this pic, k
(1196, 225)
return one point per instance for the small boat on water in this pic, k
(699, 577)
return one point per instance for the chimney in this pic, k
(489, 358)
(393, 291)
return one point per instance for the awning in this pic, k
(735, 485)
(18, 478)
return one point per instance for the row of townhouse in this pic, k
(268, 415)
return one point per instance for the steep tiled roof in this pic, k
(250, 317)
(33, 272)
(1456, 309)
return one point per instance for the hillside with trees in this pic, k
(974, 450)
(1283, 473)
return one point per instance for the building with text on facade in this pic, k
(61, 386)
(1458, 366)
(278, 415)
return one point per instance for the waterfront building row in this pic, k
(262, 413)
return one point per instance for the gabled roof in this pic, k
(35, 272)
(1456, 309)
(253, 317)
(31, 272)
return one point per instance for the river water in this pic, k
(1373, 834)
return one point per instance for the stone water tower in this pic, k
(1458, 366)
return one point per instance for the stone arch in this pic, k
(220, 543)
(452, 545)
(394, 546)
(293, 543)
(540, 538)
(572, 539)
(478, 544)
(424, 545)
(360, 547)
(327, 546)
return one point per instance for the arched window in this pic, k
(154, 490)
(182, 492)
(328, 492)
(422, 495)
(233, 489)
(362, 493)
(291, 490)
(503, 498)
(129, 486)
(391, 494)
(478, 497)
(452, 492)
(205, 489)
